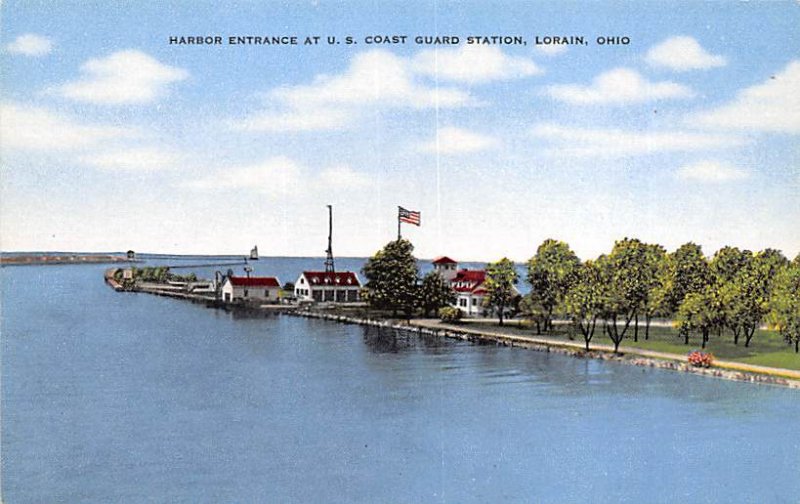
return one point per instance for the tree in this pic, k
(584, 300)
(687, 272)
(727, 267)
(435, 293)
(392, 278)
(501, 277)
(747, 297)
(785, 304)
(728, 262)
(631, 271)
(551, 272)
(623, 276)
(655, 280)
(699, 311)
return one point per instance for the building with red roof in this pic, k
(446, 267)
(250, 289)
(470, 291)
(328, 286)
(468, 284)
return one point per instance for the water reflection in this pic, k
(499, 366)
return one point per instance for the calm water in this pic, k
(110, 397)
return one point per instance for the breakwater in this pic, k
(722, 369)
(727, 370)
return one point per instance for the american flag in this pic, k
(408, 216)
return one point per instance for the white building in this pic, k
(468, 285)
(322, 286)
(241, 289)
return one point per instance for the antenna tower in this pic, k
(329, 268)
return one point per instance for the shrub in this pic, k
(449, 314)
(701, 359)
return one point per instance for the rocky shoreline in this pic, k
(518, 341)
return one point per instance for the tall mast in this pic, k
(329, 261)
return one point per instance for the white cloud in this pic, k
(343, 177)
(374, 80)
(38, 130)
(772, 106)
(452, 140)
(616, 87)
(280, 177)
(294, 120)
(683, 54)
(614, 142)
(139, 159)
(32, 128)
(30, 44)
(121, 78)
(552, 49)
(473, 64)
(711, 171)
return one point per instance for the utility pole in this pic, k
(329, 268)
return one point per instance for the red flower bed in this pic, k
(701, 359)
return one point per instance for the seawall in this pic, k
(644, 358)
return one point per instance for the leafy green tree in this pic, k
(728, 262)
(392, 275)
(501, 277)
(699, 311)
(632, 274)
(747, 297)
(655, 280)
(434, 293)
(785, 304)
(687, 272)
(551, 272)
(727, 267)
(624, 286)
(584, 300)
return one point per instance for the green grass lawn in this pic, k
(766, 349)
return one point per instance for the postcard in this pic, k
(425, 251)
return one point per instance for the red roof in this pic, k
(472, 278)
(254, 281)
(342, 278)
(444, 260)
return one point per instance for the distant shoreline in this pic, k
(57, 259)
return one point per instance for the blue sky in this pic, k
(113, 139)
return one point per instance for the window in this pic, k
(266, 293)
(474, 301)
(245, 293)
(462, 302)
